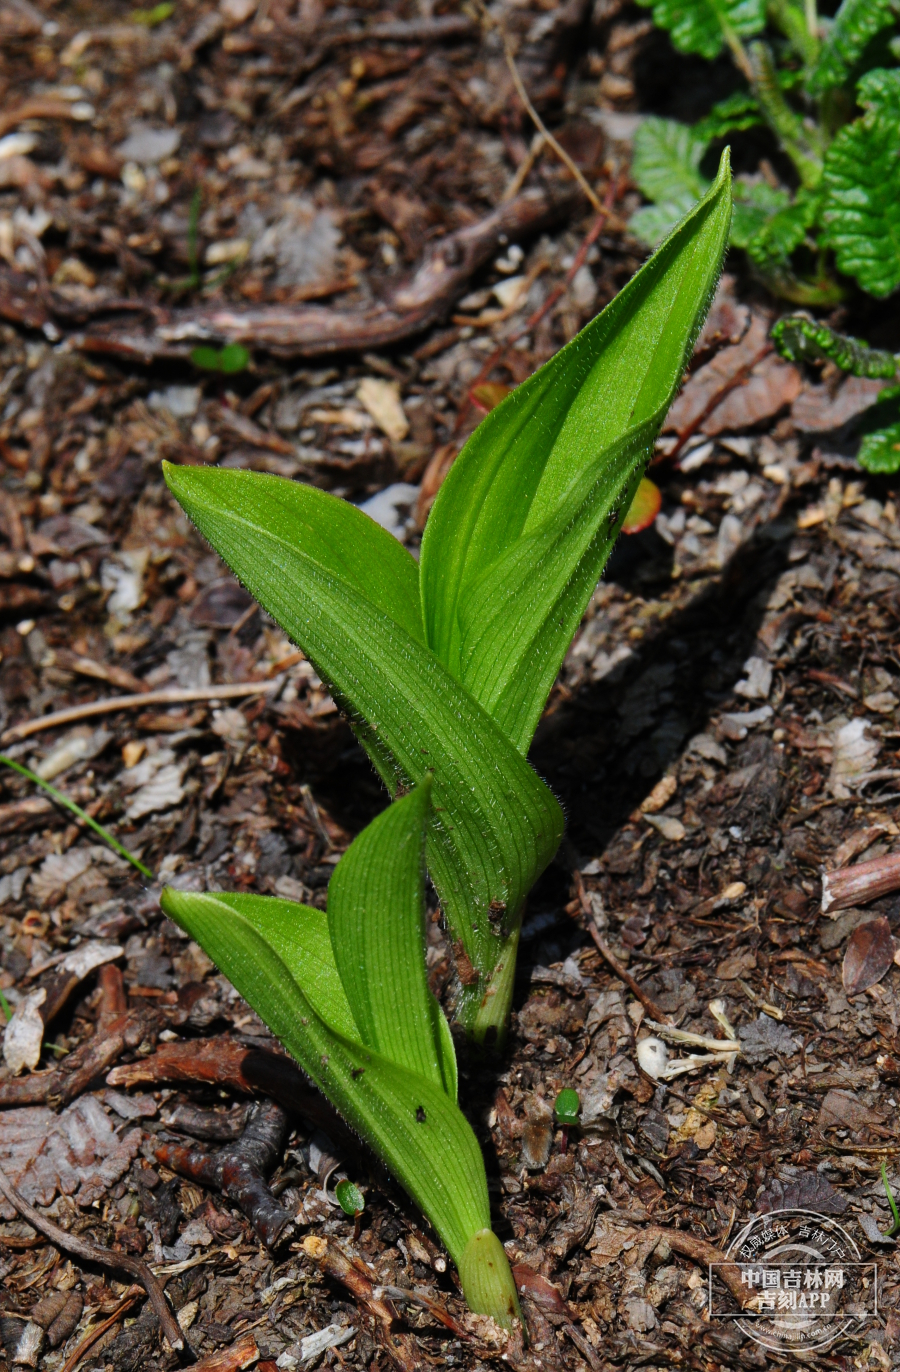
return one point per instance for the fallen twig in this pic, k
(86, 1344)
(104, 707)
(649, 1004)
(223, 1062)
(346, 1268)
(860, 884)
(239, 1169)
(89, 1060)
(103, 1257)
(301, 330)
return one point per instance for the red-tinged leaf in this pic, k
(488, 395)
(644, 508)
(869, 955)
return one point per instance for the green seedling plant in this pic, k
(801, 339)
(443, 668)
(828, 91)
(234, 357)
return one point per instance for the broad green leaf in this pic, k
(854, 26)
(495, 825)
(410, 1122)
(298, 934)
(699, 25)
(880, 450)
(861, 201)
(773, 243)
(665, 164)
(801, 339)
(376, 918)
(523, 524)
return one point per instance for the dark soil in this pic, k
(769, 587)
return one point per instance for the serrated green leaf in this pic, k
(376, 919)
(755, 204)
(880, 90)
(734, 114)
(773, 243)
(652, 223)
(880, 451)
(666, 160)
(801, 339)
(698, 25)
(410, 1122)
(861, 201)
(553, 470)
(322, 570)
(854, 26)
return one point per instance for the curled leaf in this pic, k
(644, 508)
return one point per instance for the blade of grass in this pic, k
(895, 1227)
(76, 810)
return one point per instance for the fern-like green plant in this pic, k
(801, 339)
(443, 668)
(828, 93)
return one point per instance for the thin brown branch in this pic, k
(105, 707)
(415, 304)
(649, 1004)
(103, 1257)
(91, 1337)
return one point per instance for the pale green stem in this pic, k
(784, 123)
(483, 1010)
(794, 24)
(812, 20)
(487, 1281)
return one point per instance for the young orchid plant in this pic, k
(443, 668)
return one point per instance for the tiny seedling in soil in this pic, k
(566, 1109)
(352, 1202)
(234, 357)
(827, 92)
(443, 667)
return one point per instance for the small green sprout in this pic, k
(566, 1110)
(156, 15)
(567, 1107)
(352, 1202)
(444, 665)
(234, 357)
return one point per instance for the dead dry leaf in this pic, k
(381, 399)
(77, 1153)
(797, 1190)
(817, 410)
(845, 1110)
(869, 955)
(771, 385)
(25, 1033)
(854, 755)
